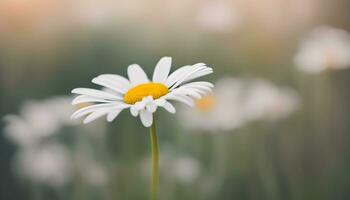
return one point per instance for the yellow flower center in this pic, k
(136, 93)
(206, 104)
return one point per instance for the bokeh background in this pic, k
(295, 150)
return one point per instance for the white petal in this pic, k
(96, 114)
(88, 99)
(160, 101)
(104, 106)
(134, 111)
(199, 89)
(168, 107)
(151, 107)
(148, 99)
(122, 81)
(136, 75)
(96, 93)
(186, 91)
(176, 75)
(112, 115)
(89, 109)
(140, 105)
(146, 118)
(200, 84)
(162, 70)
(192, 73)
(184, 99)
(200, 73)
(113, 85)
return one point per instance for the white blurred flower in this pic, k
(43, 158)
(37, 120)
(325, 48)
(265, 101)
(221, 110)
(235, 102)
(47, 164)
(217, 16)
(186, 169)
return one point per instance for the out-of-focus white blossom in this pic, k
(186, 169)
(217, 16)
(325, 48)
(236, 101)
(267, 101)
(221, 110)
(42, 158)
(47, 164)
(38, 120)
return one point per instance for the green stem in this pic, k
(155, 161)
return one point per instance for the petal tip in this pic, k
(166, 57)
(147, 125)
(73, 91)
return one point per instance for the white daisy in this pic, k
(141, 95)
(38, 120)
(186, 169)
(220, 110)
(48, 164)
(266, 101)
(237, 101)
(325, 48)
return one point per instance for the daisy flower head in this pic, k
(140, 94)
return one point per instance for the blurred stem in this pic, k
(155, 162)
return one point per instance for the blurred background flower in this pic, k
(221, 110)
(38, 120)
(325, 48)
(44, 157)
(236, 101)
(265, 101)
(48, 165)
(274, 131)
